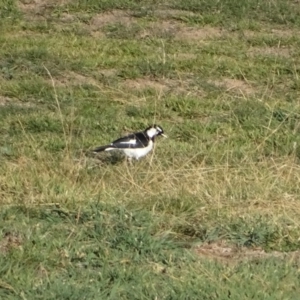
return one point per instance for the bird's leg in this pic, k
(129, 159)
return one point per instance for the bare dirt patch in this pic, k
(269, 51)
(70, 78)
(162, 29)
(36, 8)
(172, 13)
(10, 241)
(73, 78)
(221, 251)
(79, 79)
(283, 32)
(7, 101)
(195, 34)
(112, 17)
(178, 31)
(269, 33)
(108, 72)
(145, 83)
(164, 85)
(98, 24)
(4, 101)
(234, 85)
(67, 18)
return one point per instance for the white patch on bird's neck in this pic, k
(152, 132)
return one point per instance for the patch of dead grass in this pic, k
(234, 85)
(9, 242)
(165, 28)
(108, 72)
(265, 32)
(67, 17)
(222, 251)
(73, 78)
(195, 34)
(36, 9)
(171, 13)
(270, 51)
(283, 32)
(112, 17)
(7, 101)
(178, 31)
(163, 85)
(145, 83)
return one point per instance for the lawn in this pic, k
(213, 212)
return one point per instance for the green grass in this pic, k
(221, 78)
(108, 252)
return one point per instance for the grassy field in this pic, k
(213, 212)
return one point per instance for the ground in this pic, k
(213, 212)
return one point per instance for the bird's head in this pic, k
(154, 131)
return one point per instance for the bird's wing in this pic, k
(135, 140)
(103, 148)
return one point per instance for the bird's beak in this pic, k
(165, 136)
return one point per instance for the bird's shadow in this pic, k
(113, 158)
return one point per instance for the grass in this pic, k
(212, 213)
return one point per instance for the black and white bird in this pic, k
(135, 145)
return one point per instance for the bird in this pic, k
(135, 145)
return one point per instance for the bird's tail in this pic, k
(101, 148)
